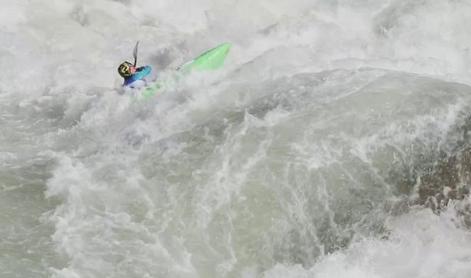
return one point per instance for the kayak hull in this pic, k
(212, 59)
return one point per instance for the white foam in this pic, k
(230, 174)
(419, 244)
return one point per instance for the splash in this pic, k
(334, 143)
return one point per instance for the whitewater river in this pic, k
(334, 143)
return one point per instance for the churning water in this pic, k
(334, 143)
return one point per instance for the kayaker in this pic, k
(134, 77)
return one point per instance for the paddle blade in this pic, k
(134, 53)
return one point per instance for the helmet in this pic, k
(125, 69)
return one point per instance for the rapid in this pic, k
(334, 143)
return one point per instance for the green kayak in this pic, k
(212, 59)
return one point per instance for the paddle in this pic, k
(134, 53)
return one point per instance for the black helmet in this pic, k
(125, 69)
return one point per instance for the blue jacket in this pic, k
(139, 75)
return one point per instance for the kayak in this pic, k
(212, 59)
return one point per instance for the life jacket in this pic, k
(140, 73)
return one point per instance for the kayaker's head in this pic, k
(126, 69)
